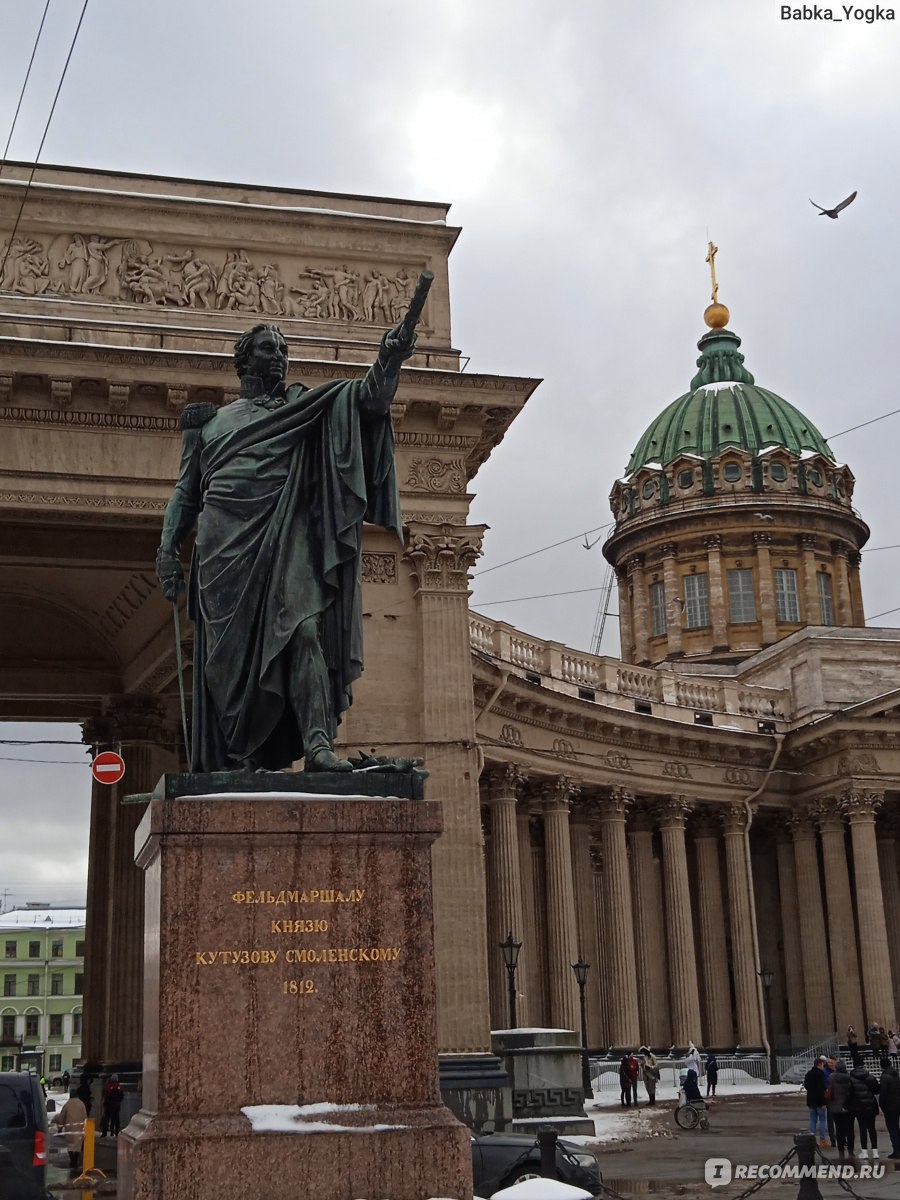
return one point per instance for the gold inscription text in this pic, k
(298, 896)
(299, 926)
(298, 987)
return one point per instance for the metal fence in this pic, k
(733, 1068)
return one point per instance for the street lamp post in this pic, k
(511, 950)
(581, 969)
(766, 977)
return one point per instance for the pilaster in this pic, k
(640, 608)
(763, 543)
(860, 808)
(810, 613)
(441, 558)
(718, 614)
(670, 579)
(685, 998)
(886, 830)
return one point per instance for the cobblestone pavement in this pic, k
(745, 1129)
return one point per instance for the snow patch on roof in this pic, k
(718, 387)
(44, 918)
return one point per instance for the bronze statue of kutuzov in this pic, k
(278, 484)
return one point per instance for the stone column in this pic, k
(626, 630)
(541, 1000)
(843, 608)
(811, 614)
(766, 580)
(501, 787)
(750, 1021)
(441, 557)
(112, 1029)
(499, 1010)
(856, 599)
(562, 947)
(813, 946)
(683, 993)
(886, 834)
(860, 808)
(718, 606)
(529, 977)
(790, 930)
(618, 926)
(603, 957)
(588, 940)
(649, 932)
(848, 1009)
(640, 607)
(711, 919)
(673, 593)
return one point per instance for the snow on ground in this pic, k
(290, 1118)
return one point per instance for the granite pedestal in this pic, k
(545, 1068)
(289, 1013)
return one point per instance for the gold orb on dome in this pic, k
(716, 315)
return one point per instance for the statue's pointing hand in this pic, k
(170, 574)
(400, 341)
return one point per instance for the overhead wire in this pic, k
(37, 157)
(12, 128)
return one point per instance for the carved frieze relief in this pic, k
(93, 266)
(379, 567)
(437, 475)
(858, 764)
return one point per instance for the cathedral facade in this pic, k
(721, 800)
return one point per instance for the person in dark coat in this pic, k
(634, 1070)
(889, 1101)
(840, 1111)
(814, 1084)
(625, 1082)
(692, 1091)
(113, 1095)
(864, 1106)
(712, 1075)
(84, 1093)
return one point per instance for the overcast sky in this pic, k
(586, 147)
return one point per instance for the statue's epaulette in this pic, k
(195, 415)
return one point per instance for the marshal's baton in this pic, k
(407, 326)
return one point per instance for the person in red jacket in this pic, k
(113, 1095)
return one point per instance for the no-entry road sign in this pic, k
(108, 767)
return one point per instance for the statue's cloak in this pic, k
(285, 492)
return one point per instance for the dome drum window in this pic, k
(778, 472)
(686, 479)
(648, 491)
(732, 472)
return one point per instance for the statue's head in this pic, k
(262, 351)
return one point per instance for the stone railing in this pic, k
(609, 681)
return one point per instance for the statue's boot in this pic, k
(326, 760)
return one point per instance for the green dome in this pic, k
(724, 408)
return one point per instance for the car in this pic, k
(23, 1137)
(500, 1160)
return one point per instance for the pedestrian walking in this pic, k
(827, 1071)
(692, 1060)
(889, 1102)
(649, 1072)
(864, 1106)
(70, 1119)
(814, 1083)
(840, 1111)
(893, 1043)
(712, 1074)
(853, 1046)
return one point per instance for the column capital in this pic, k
(705, 821)
(673, 811)
(503, 781)
(827, 814)
(556, 794)
(442, 556)
(614, 805)
(713, 542)
(668, 550)
(808, 541)
(129, 718)
(761, 538)
(732, 819)
(860, 807)
(635, 563)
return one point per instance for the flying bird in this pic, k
(833, 212)
(764, 516)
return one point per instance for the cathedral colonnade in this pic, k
(660, 895)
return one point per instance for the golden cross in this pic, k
(711, 259)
